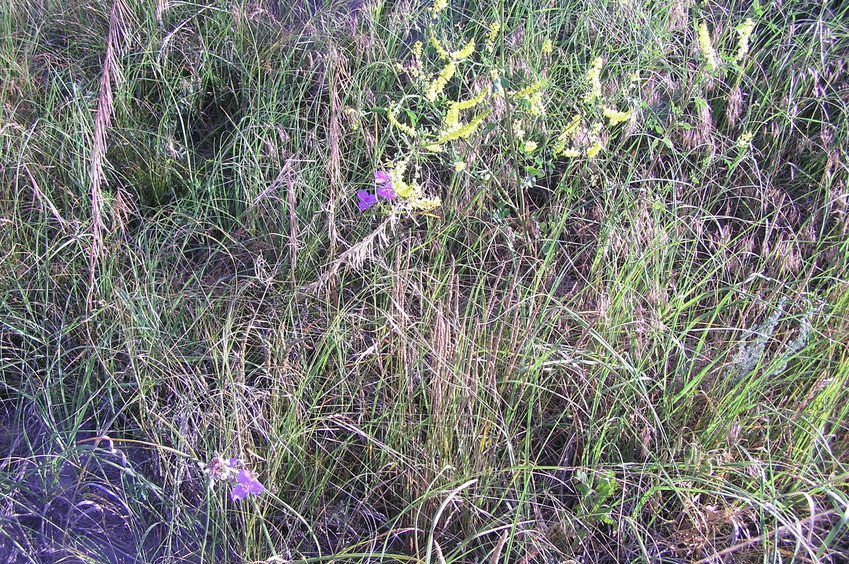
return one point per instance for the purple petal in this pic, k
(233, 462)
(381, 177)
(365, 200)
(255, 487)
(244, 477)
(386, 191)
(239, 492)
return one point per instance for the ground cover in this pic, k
(426, 282)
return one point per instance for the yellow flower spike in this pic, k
(615, 116)
(438, 85)
(461, 131)
(594, 150)
(706, 47)
(471, 103)
(593, 78)
(402, 188)
(459, 166)
(537, 104)
(421, 203)
(530, 146)
(573, 125)
(547, 46)
(571, 153)
(440, 50)
(525, 92)
(745, 32)
(494, 29)
(438, 6)
(465, 52)
(390, 114)
(518, 130)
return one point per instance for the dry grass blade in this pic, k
(791, 527)
(119, 18)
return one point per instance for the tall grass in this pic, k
(636, 356)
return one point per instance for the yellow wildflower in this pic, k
(471, 103)
(745, 140)
(459, 166)
(537, 104)
(438, 85)
(440, 50)
(493, 34)
(465, 51)
(547, 46)
(402, 126)
(438, 6)
(453, 116)
(744, 30)
(525, 92)
(461, 131)
(593, 78)
(518, 130)
(422, 203)
(594, 150)
(530, 146)
(706, 47)
(570, 153)
(401, 187)
(573, 125)
(615, 116)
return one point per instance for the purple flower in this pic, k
(245, 484)
(366, 200)
(233, 462)
(384, 190)
(382, 177)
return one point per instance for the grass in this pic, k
(636, 356)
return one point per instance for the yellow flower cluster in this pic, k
(745, 32)
(494, 29)
(438, 85)
(452, 118)
(465, 52)
(438, 6)
(547, 46)
(615, 116)
(708, 52)
(565, 136)
(593, 78)
(440, 50)
(411, 191)
(402, 126)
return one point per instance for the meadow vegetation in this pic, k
(597, 311)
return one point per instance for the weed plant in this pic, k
(599, 313)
